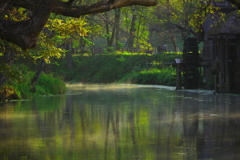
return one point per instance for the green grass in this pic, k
(47, 84)
(153, 76)
(120, 67)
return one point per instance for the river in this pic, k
(122, 122)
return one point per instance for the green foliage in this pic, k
(164, 76)
(58, 31)
(12, 73)
(121, 59)
(23, 91)
(22, 86)
(172, 53)
(120, 67)
(88, 41)
(108, 50)
(126, 53)
(46, 49)
(120, 45)
(47, 84)
(67, 26)
(141, 32)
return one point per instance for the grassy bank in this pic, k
(120, 67)
(18, 86)
(108, 68)
(47, 84)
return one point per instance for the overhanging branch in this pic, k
(63, 8)
(25, 33)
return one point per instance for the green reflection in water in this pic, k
(121, 122)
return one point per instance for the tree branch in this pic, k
(25, 33)
(63, 8)
(99, 7)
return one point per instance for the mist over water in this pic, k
(122, 122)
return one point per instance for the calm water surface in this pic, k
(122, 122)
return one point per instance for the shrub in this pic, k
(48, 84)
(153, 76)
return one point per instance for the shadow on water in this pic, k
(122, 122)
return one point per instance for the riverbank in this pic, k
(119, 68)
(19, 86)
(130, 68)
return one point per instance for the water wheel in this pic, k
(191, 60)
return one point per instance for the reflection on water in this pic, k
(122, 122)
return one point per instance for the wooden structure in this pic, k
(221, 52)
(191, 63)
(179, 65)
(221, 48)
(187, 69)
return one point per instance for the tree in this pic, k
(172, 20)
(25, 33)
(58, 31)
(22, 23)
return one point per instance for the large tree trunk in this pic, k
(110, 35)
(117, 24)
(2, 79)
(6, 62)
(70, 63)
(82, 46)
(132, 31)
(37, 75)
(173, 40)
(25, 33)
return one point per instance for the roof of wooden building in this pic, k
(230, 26)
(220, 4)
(213, 25)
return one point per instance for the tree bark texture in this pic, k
(70, 63)
(111, 35)
(6, 60)
(132, 31)
(37, 75)
(25, 33)
(117, 23)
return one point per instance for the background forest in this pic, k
(134, 39)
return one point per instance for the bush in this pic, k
(48, 84)
(153, 76)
